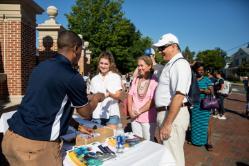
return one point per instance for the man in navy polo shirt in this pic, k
(54, 89)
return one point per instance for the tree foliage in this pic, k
(102, 23)
(212, 59)
(189, 55)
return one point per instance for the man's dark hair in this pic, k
(68, 39)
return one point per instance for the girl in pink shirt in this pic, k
(141, 100)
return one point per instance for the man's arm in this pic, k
(74, 123)
(87, 110)
(79, 127)
(175, 106)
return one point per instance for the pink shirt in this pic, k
(148, 116)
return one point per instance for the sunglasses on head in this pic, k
(163, 47)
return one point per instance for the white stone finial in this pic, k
(52, 12)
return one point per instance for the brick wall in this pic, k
(11, 31)
(19, 55)
(1, 47)
(28, 51)
(3, 82)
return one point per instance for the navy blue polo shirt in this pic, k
(54, 88)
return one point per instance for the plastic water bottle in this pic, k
(120, 138)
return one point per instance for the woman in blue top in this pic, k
(200, 118)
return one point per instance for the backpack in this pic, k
(193, 95)
(227, 88)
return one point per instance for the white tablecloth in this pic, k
(3, 121)
(146, 153)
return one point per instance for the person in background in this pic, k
(211, 77)
(156, 67)
(141, 100)
(246, 86)
(107, 81)
(200, 118)
(54, 89)
(170, 97)
(213, 80)
(150, 52)
(219, 85)
(123, 82)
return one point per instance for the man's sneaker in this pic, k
(215, 116)
(222, 117)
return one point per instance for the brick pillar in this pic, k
(48, 33)
(84, 61)
(17, 38)
(87, 64)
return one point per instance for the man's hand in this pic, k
(165, 131)
(85, 130)
(87, 110)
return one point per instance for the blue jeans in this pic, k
(113, 120)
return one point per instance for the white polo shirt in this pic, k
(110, 82)
(176, 77)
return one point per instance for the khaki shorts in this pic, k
(21, 151)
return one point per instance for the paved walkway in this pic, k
(230, 138)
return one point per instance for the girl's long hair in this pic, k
(108, 55)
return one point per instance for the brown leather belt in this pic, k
(165, 108)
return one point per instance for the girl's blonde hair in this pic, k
(108, 55)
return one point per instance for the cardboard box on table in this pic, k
(104, 132)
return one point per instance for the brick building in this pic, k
(17, 45)
(18, 53)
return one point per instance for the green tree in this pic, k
(102, 23)
(159, 58)
(212, 59)
(189, 55)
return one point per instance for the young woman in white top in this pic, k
(107, 81)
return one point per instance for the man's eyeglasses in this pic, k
(163, 47)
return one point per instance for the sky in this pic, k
(198, 24)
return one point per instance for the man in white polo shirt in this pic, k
(170, 97)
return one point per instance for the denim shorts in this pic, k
(113, 120)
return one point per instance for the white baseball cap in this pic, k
(167, 39)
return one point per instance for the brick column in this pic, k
(17, 50)
(48, 33)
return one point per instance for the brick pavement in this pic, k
(230, 138)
